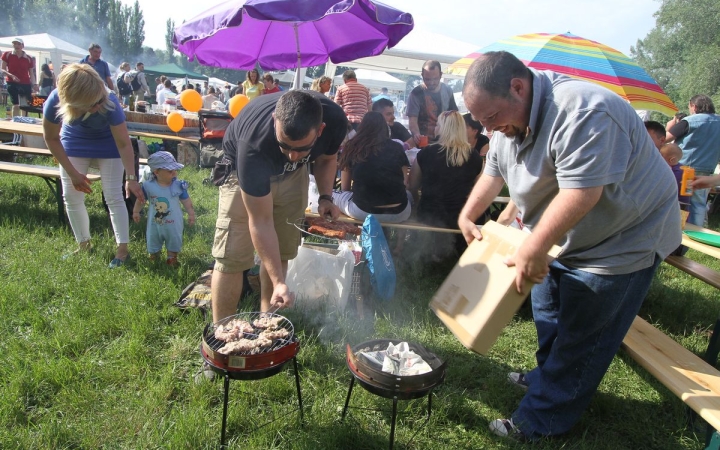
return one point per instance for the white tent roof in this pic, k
(375, 80)
(412, 51)
(44, 42)
(288, 76)
(47, 48)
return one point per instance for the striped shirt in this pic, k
(354, 98)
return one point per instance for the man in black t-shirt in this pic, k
(397, 130)
(270, 143)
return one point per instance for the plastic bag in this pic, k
(321, 274)
(379, 259)
(313, 196)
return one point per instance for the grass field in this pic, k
(93, 358)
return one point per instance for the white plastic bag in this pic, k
(315, 276)
(313, 196)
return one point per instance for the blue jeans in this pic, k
(698, 206)
(581, 319)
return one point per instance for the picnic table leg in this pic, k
(56, 187)
(713, 348)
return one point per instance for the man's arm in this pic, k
(265, 241)
(482, 195)
(109, 82)
(325, 173)
(3, 69)
(567, 208)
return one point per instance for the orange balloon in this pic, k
(175, 121)
(191, 100)
(237, 103)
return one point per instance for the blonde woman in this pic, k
(253, 87)
(84, 122)
(322, 84)
(445, 173)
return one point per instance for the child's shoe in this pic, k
(154, 256)
(172, 261)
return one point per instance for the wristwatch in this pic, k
(130, 178)
(325, 197)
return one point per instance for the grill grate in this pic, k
(216, 344)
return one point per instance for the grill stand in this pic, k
(395, 396)
(254, 375)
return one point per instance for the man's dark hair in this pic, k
(703, 104)
(298, 113)
(94, 46)
(430, 65)
(655, 127)
(381, 104)
(349, 75)
(680, 115)
(493, 71)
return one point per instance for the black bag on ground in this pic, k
(210, 154)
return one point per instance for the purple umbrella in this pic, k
(285, 34)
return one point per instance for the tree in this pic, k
(682, 52)
(169, 30)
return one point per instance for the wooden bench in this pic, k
(31, 151)
(695, 269)
(51, 175)
(685, 374)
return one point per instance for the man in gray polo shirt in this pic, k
(584, 174)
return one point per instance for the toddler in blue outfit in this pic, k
(165, 218)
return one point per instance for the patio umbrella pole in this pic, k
(296, 83)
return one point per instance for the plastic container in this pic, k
(687, 176)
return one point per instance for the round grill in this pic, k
(258, 358)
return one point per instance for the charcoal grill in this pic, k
(254, 364)
(393, 386)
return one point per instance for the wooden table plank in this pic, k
(30, 129)
(40, 171)
(699, 246)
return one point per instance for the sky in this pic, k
(616, 23)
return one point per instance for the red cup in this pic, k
(423, 142)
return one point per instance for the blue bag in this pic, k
(378, 257)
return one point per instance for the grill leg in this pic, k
(347, 400)
(225, 407)
(392, 423)
(297, 385)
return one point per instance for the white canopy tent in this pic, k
(411, 52)
(47, 48)
(375, 80)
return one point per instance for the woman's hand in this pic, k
(134, 187)
(80, 182)
(136, 217)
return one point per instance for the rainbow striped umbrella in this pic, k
(585, 59)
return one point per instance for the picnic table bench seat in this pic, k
(51, 175)
(695, 269)
(32, 151)
(685, 374)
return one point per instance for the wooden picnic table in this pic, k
(30, 129)
(699, 246)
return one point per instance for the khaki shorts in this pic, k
(233, 248)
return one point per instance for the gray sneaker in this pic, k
(519, 380)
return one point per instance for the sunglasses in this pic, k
(290, 148)
(99, 102)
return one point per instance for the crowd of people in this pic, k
(583, 171)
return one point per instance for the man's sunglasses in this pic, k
(290, 148)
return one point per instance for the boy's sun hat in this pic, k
(163, 160)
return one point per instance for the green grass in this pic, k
(93, 358)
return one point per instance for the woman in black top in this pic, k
(445, 173)
(47, 80)
(374, 174)
(475, 136)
